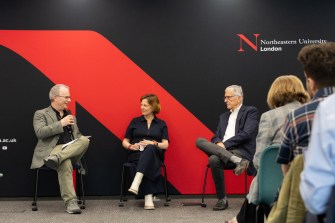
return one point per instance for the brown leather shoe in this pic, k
(241, 167)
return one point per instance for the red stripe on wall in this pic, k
(108, 85)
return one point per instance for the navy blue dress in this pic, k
(149, 160)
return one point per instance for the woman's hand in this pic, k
(127, 145)
(134, 147)
(145, 142)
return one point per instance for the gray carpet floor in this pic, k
(52, 210)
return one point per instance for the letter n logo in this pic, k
(247, 41)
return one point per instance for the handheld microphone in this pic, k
(69, 127)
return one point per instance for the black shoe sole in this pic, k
(220, 209)
(74, 212)
(51, 164)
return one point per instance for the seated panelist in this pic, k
(234, 143)
(55, 126)
(146, 140)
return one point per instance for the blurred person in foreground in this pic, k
(318, 176)
(318, 62)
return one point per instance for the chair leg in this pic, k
(167, 197)
(81, 191)
(121, 204)
(203, 204)
(78, 188)
(125, 173)
(34, 203)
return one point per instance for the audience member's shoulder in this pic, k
(328, 105)
(287, 108)
(270, 112)
(329, 101)
(296, 112)
(308, 107)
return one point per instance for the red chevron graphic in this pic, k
(108, 85)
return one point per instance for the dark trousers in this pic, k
(218, 161)
(311, 218)
(149, 163)
(247, 213)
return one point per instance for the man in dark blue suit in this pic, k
(234, 143)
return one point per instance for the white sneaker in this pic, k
(148, 202)
(72, 207)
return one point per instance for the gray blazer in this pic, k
(47, 129)
(269, 132)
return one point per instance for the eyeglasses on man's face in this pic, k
(66, 97)
(229, 97)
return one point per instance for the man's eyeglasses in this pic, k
(229, 97)
(66, 97)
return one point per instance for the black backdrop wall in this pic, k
(189, 47)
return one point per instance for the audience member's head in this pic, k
(286, 89)
(318, 61)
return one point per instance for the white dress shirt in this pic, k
(230, 131)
